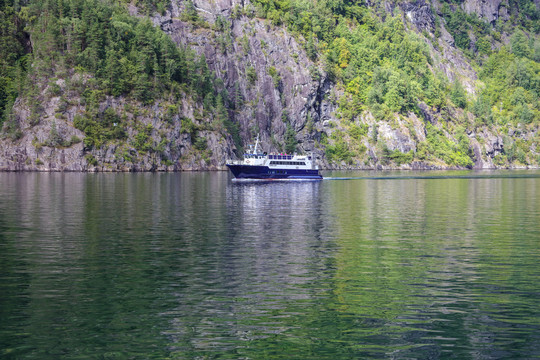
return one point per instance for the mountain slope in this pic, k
(109, 91)
(380, 85)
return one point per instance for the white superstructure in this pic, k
(273, 161)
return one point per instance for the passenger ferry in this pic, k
(263, 166)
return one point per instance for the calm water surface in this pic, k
(181, 266)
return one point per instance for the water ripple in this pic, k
(428, 265)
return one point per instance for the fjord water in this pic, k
(192, 265)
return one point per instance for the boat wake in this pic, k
(435, 177)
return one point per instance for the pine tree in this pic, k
(457, 95)
(290, 140)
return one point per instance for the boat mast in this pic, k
(256, 145)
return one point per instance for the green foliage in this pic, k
(245, 44)
(251, 75)
(276, 78)
(466, 27)
(512, 89)
(222, 26)
(458, 95)
(516, 150)
(74, 140)
(457, 25)
(14, 60)
(438, 146)
(379, 64)
(113, 54)
(170, 113)
(99, 130)
(237, 100)
(483, 45)
(499, 160)
(290, 140)
(91, 160)
(354, 42)
(222, 121)
(143, 140)
(200, 143)
(311, 49)
(190, 13)
(358, 132)
(54, 89)
(436, 92)
(393, 89)
(481, 108)
(128, 55)
(525, 14)
(234, 130)
(383, 67)
(237, 11)
(396, 156)
(187, 126)
(150, 6)
(520, 44)
(339, 150)
(54, 137)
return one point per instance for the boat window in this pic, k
(291, 163)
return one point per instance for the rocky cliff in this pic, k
(264, 68)
(271, 85)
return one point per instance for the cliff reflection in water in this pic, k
(439, 267)
(191, 265)
(255, 285)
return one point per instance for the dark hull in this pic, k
(265, 173)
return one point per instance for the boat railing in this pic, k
(235, 162)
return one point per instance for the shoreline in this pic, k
(159, 170)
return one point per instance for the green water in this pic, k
(192, 266)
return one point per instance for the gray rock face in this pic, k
(263, 64)
(483, 154)
(396, 139)
(420, 14)
(264, 69)
(490, 10)
(272, 84)
(173, 149)
(494, 144)
(455, 65)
